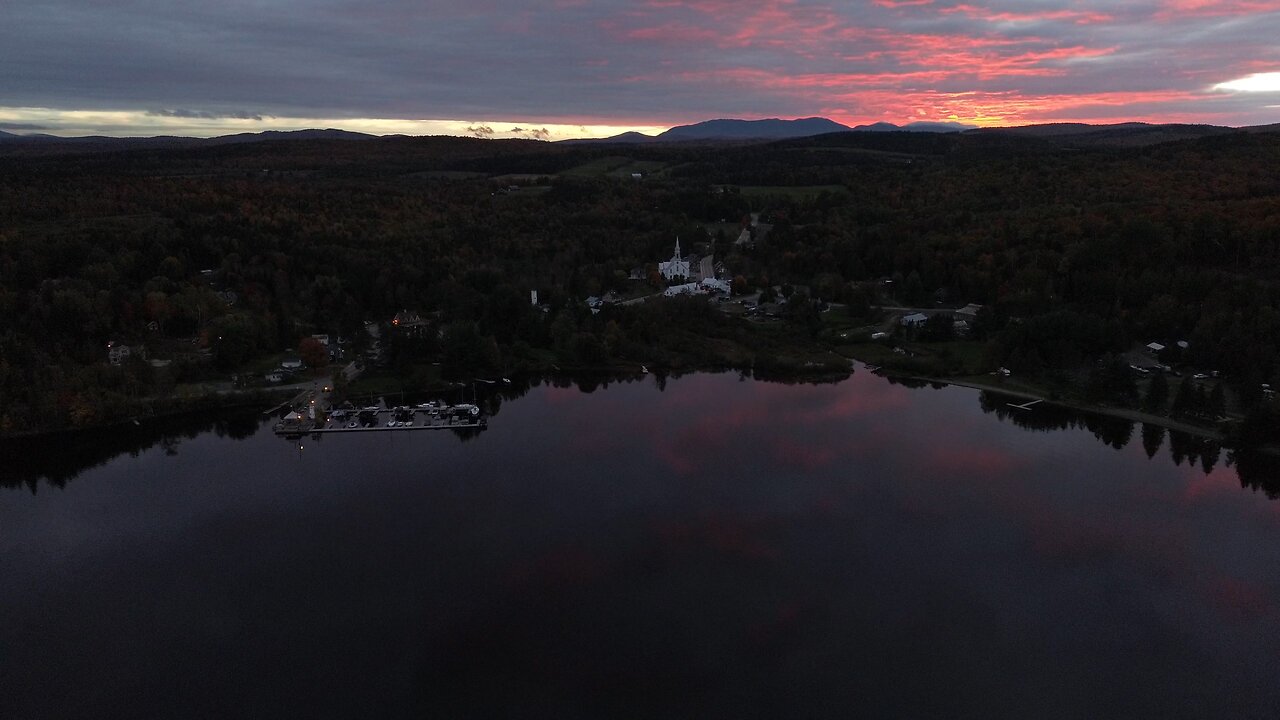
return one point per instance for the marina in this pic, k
(425, 416)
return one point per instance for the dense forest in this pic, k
(212, 258)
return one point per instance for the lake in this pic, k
(708, 545)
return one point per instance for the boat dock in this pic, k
(442, 424)
(383, 419)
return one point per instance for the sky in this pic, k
(555, 69)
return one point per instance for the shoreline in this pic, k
(1215, 434)
(632, 370)
(1136, 416)
(198, 404)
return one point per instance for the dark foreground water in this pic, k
(720, 548)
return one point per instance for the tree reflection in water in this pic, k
(1256, 470)
(59, 458)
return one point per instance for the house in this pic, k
(351, 371)
(407, 319)
(1155, 348)
(331, 346)
(291, 362)
(274, 376)
(119, 353)
(914, 320)
(968, 313)
(410, 323)
(713, 285)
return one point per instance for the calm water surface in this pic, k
(717, 548)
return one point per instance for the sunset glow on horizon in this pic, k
(571, 68)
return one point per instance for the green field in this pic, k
(644, 167)
(938, 359)
(598, 167)
(794, 192)
(615, 166)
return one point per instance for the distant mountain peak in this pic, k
(766, 129)
(918, 126)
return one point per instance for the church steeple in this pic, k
(677, 256)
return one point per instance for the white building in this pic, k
(915, 320)
(711, 284)
(969, 312)
(685, 289)
(676, 267)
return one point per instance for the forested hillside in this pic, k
(214, 257)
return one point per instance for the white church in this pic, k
(676, 267)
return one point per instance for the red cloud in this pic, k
(991, 66)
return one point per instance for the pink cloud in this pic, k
(1177, 9)
(1079, 17)
(869, 65)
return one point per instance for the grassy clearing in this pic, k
(799, 192)
(644, 167)
(445, 175)
(939, 359)
(599, 167)
(522, 177)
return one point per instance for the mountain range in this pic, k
(720, 130)
(769, 129)
(43, 143)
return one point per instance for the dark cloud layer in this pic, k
(645, 61)
(204, 114)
